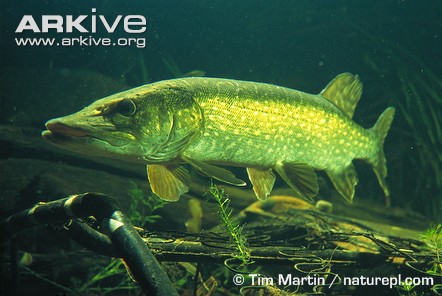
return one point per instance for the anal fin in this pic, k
(214, 171)
(301, 178)
(168, 182)
(262, 181)
(344, 181)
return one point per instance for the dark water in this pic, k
(394, 46)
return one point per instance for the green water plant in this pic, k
(100, 283)
(143, 207)
(235, 231)
(172, 66)
(433, 240)
(406, 289)
(415, 88)
(419, 106)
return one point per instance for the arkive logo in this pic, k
(81, 30)
(133, 24)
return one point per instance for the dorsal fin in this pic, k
(344, 91)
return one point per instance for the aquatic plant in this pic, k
(416, 90)
(143, 208)
(110, 279)
(406, 287)
(137, 72)
(175, 71)
(172, 66)
(144, 71)
(433, 239)
(419, 110)
(242, 252)
(116, 272)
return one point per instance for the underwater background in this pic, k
(394, 46)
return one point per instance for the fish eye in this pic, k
(126, 107)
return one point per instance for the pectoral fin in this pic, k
(301, 178)
(216, 172)
(262, 181)
(344, 181)
(173, 146)
(169, 150)
(168, 182)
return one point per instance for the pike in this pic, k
(208, 123)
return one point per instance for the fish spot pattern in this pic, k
(264, 125)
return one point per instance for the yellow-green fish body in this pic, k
(260, 125)
(210, 122)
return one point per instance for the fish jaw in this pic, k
(57, 127)
(71, 138)
(65, 135)
(70, 142)
(84, 133)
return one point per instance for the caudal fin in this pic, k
(378, 161)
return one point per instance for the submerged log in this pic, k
(301, 233)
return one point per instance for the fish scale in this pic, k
(271, 124)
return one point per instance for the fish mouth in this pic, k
(74, 138)
(60, 133)
(57, 128)
(84, 142)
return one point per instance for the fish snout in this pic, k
(59, 126)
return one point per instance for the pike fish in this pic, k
(209, 123)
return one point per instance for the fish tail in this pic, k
(378, 161)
